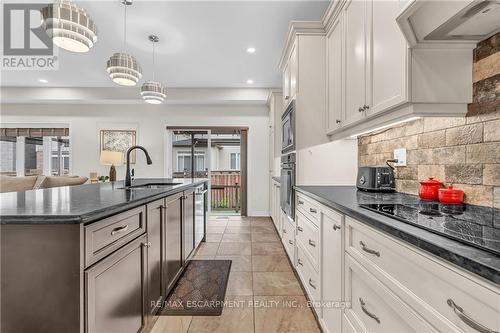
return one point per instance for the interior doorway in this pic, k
(217, 153)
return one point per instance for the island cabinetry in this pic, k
(115, 290)
(156, 231)
(173, 251)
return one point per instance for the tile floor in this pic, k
(262, 289)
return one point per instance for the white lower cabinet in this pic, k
(389, 285)
(331, 270)
(374, 307)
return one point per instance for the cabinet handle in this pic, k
(336, 227)
(160, 207)
(299, 261)
(148, 244)
(312, 210)
(312, 243)
(361, 109)
(301, 202)
(468, 320)
(300, 229)
(368, 250)
(338, 121)
(368, 313)
(290, 241)
(311, 283)
(284, 231)
(366, 107)
(119, 230)
(287, 97)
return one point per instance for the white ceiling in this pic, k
(202, 44)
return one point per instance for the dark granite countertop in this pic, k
(278, 179)
(346, 199)
(83, 203)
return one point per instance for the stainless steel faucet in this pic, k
(128, 178)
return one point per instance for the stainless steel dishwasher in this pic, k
(200, 195)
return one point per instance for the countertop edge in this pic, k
(481, 269)
(96, 215)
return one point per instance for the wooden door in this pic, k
(116, 290)
(335, 75)
(355, 25)
(389, 58)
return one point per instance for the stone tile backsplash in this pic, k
(463, 151)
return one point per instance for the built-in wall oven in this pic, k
(288, 129)
(287, 193)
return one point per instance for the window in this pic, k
(235, 161)
(184, 160)
(34, 151)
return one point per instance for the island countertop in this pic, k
(346, 199)
(84, 203)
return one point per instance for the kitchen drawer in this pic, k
(108, 235)
(308, 275)
(308, 207)
(435, 289)
(289, 237)
(308, 236)
(375, 307)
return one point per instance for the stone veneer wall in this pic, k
(464, 151)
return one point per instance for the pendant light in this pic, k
(69, 26)
(153, 92)
(123, 68)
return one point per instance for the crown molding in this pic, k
(273, 92)
(297, 28)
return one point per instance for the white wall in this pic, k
(150, 121)
(332, 163)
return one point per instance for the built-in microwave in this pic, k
(288, 129)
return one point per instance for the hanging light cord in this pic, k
(125, 27)
(154, 67)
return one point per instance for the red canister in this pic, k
(429, 189)
(451, 195)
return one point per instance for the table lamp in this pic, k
(109, 157)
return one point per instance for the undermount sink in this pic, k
(151, 186)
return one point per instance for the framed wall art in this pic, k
(119, 140)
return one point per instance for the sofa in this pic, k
(26, 183)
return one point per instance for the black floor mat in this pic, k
(200, 291)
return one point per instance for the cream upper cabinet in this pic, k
(335, 47)
(356, 20)
(388, 54)
(293, 68)
(286, 84)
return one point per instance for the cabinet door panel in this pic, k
(173, 254)
(156, 237)
(355, 60)
(115, 291)
(286, 85)
(388, 58)
(294, 72)
(335, 75)
(332, 269)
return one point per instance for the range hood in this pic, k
(429, 23)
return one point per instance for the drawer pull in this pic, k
(368, 313)
(299, 261)
(312, 210)
(300, 229)
(284, 231)
(312, 243)
(311, 283)
(148, 244)
(336, 227)
(119, 230)
(290, 241)
(363, 246)
(466, 319)
(301, 202)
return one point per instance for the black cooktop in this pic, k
(447, 220)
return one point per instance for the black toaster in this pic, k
(376, 179)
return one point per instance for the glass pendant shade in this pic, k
(153, 92)
(69, 26)
(124, 69)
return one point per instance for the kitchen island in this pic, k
(96, 258)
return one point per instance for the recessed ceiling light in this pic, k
(249, 81)
(43, 81)
(251, 50)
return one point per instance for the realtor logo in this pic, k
(26, 45)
